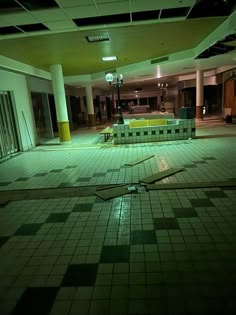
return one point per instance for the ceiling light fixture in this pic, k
(109, 58)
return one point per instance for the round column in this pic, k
(60, 102)
(199, 94)
(90, 107)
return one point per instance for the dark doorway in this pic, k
(52, 107)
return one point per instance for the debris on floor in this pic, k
(191, 185)
(140, 160)
(112, 192)
(132, 188)
(155, 177)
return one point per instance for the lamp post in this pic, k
(116, 81)
(162, 87)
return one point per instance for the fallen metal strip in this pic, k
(140, 160)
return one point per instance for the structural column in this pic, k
(90, 107)
(199, 94)
(60, 102)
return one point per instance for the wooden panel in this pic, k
(158, 176)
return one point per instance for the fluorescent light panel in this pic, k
(109, 58)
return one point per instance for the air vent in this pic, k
(97, 38)
(145, 15)
(159, 60)
(173, 13)
(9, 30)
(33, 27)
(206, 8)
(35, 5)
(101, 20)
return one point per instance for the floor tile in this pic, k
(189, 165)
(83, 179)
(3, 203)
(215, 194)
(40, 174)
(119, 306)
(155, 252)
(36, 301)
(3, 240)
(99, 307)
(209, 158)
(143, 237)
(113, 170)
(69, 184)
(28, 229)
(83, 207)
(56, 170)
(185, 212)
(80, 307)
(22, 179)
(200, 162)
(166, 223)
(201, 203)
(99, 174)
(5, 183)
(114, 254)
(80, 275)
(57, 217)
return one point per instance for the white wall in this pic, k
(17, 83)
(45, 86)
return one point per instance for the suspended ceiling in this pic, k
(40, 33)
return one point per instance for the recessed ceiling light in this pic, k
(109, 58)
(97, 38)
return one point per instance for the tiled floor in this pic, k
(152, 252)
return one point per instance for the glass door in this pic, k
(8, 135)
(42, 117)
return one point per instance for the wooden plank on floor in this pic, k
(160, 175)
(104, 187)
(112, 192)
(191, 185)
(140, 160)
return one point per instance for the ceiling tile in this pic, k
(81, 12)
(74, 3)
(49, 15)
(4, 22)
(19, 18)
(61, 25)
(113, 8)
(141, 5)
